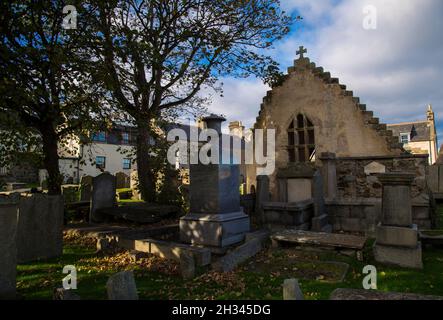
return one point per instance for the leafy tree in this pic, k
(47, 95)
(156, 56)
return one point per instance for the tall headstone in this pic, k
(43, 178)
(40, 227)
(134, 185)
(85, 188)
(216, 218)
(262, 195)
(122, 180)
(103, 195)
(329, 173)
(8, 250)
(320, 221)
(396, 236)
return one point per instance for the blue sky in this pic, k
(396, 69)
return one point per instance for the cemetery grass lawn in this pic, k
(159, 279)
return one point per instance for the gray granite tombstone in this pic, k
(40, 227)
(396, 237)
(291, 290)
(85, 188)
(103, 195)
(121, 286)
(216, 218)
(8, 250)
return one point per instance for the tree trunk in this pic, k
(50, 160)
(146, 181)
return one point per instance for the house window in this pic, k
(99, 136)
(125, 138)
(100, 162)
(301, 140)
(404, 138)
(126, 163)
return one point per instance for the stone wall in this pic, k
(354, 182)
(357, 205)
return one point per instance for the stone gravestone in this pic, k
(40, 227)
(320, 221)
(85, 188)
(122, 180)
(8, 250)
(43, 178)
(103, 195)
(262, 195)
(291, 290)
(215, 218)
(121, 286)
(396, 237)
(134, 185)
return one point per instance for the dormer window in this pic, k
(301, 140)
(404, 138)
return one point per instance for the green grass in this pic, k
(159, 279)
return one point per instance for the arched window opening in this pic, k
(301, 140)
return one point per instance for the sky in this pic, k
(396, 69)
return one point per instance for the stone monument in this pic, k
(103, 195)
(216, 218)
(396, 237)
(8, 250)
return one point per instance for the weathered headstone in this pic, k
(8, 250)
(291, 290)
(329, 173)
(397, 238)
(121, 286)
(122, 180)
(86, 188)
(134, 185)
(42, 178)
(64, 294)
(262, 195)
(215, 218)
(103, 195)
(187, 264)
(40, 227)
(320, 221)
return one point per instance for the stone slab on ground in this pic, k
(361, 294)
(166, 249)
(433, 237)
(334, 240)
(121, 286)
(238, 255)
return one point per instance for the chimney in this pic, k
(236, 128)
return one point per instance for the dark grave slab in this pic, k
(332, 240)
(361, 294)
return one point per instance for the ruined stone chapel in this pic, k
(329, 150)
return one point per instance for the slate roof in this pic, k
(419, 130)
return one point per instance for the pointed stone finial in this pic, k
(429, 107)
(301, 50)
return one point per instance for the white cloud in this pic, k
(396, 69)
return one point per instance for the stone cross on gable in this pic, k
(300, 51)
